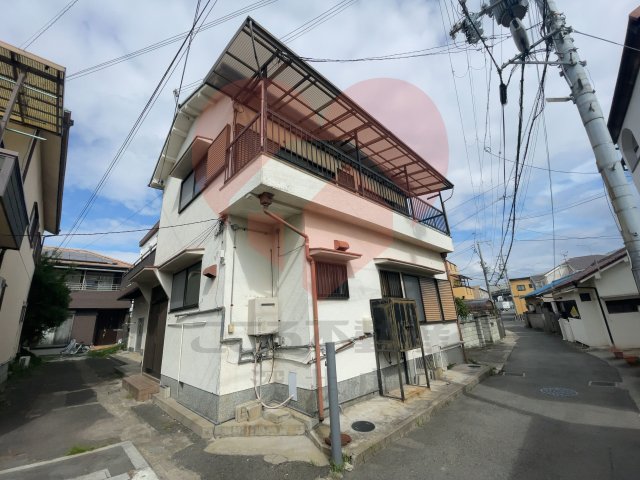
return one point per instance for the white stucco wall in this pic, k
(18, 265)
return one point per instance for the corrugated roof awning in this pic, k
(305, 97)
(40, 101)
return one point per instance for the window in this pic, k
(530, 286)
(585, 297)
(391, 285)
(332, 280)
(434, 298)
(568, 308)
(629, 305)
(185, 289)
(193, 184)
(34, 223)
(520, 288)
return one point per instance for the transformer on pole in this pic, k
(509, 13)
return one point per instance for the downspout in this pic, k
(604, 315)
(265, 200)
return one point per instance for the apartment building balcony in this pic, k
(102, 287)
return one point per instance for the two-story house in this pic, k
(287, 208)
(96, 314)
(34, 133)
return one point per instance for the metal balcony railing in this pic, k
(294, 145)
(75, 286)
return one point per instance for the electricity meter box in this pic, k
(263, 316)
(396, 325)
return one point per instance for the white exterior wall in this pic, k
(632, 124)
(614, 283)
(260, 258)
(18, 265)
(139, 312)
(589, 329)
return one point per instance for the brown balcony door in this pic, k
(154, 342)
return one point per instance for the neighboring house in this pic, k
(624, 118)
(265, 182)
(96, 315)
(140, 310)
(520, 287)
(538, 281)
(598, 306)
(480, 293)
(34, 133)
(460, 283)
(568, 267)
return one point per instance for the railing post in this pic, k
(444, 214)
(263, 113)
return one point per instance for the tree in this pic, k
(48, 301)
(462, 308)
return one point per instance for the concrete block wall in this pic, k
(478, 332)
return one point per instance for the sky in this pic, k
(458, 80)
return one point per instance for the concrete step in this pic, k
(260, 428)
(199, 425)
(141, 387)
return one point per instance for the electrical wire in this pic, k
(168, 41)
(607, 40)
(29, 41)
(133, 131)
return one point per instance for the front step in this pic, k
(141, 387)
(199, 425)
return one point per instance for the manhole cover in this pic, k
(602, 384)
(559, 392)
(362, 426)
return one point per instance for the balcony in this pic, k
(13, 208)
(298, 147)
(97, 287)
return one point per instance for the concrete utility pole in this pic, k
(608, 160)
(484, 272)
(510, 13)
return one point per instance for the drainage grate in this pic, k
(474, 366)
(559, 392)
(363, 426)
(513, 374)
(602, 384)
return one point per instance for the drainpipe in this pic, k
(265, 200)
(604, 315)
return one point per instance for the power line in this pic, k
(607, 41)
(136, 126)
(168, 41)
(29, 41)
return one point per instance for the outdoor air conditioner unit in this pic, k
(395, 324)
(263, 316)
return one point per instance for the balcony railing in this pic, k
(294, 145)
(104, 287)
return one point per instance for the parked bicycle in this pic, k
(75, 348)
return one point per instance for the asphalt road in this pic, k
(507, 428)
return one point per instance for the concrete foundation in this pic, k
(221, 408)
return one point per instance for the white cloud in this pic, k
(106, 104)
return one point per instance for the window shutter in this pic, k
(430, 300)
(446, 298)
(217, 154)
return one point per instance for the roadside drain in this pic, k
(558, 392)
(594, 383)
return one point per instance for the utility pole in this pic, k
(510, 13)
(484, 272)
